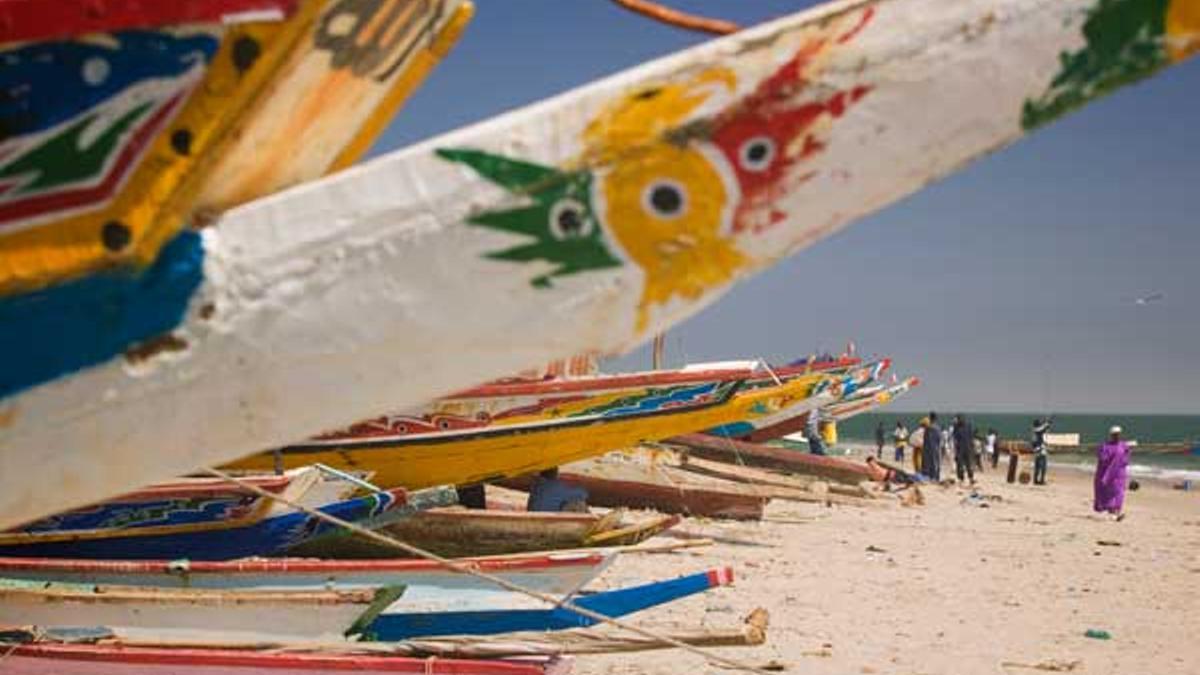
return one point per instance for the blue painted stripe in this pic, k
(616, 603)
(733, 429)
(62, 329)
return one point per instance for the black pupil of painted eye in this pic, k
(757, 151)
(570, 222)
(666, 199)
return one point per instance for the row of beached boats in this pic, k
(247, 574)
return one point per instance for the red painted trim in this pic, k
(601, 382)
(272, 661)
(648, 378)
(29, 20)
(291, 565)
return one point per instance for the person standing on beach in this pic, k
(990, 446)
(812, 432)
(1014, 458)
(931, 454)
(900, 438)
(917, 441)
(964, 449)
(1112, 464)
(880, 440)
(1040, 453)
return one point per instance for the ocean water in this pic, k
(1182, 431)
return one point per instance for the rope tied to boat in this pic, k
(679, 19)
(464, 568)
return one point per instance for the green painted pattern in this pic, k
(64, 158)
(1126, 41)
(560, 221)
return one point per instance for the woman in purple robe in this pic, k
(1112, 460)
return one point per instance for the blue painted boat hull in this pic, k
(405, 625)
(270, 536)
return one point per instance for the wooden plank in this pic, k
(439, 266)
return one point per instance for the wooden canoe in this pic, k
(403, 625)
(259, 534)
(427, 584)
(631, 480)
(782, 459)
(195, 614)
(842, 383)
(400, 275)
(196, 501)
(460, 532)
(497, 436)
(109, 659)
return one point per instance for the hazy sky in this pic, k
(1009, 286)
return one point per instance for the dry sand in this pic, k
(948, 587)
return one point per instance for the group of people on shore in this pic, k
(931, 443)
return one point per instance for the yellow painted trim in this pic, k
(418, 465)
(422, 64)
(156, 199)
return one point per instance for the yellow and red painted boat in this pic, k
(514, 428)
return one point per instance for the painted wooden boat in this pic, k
(460, 532)
(192, 614)
(531, 226)
(111, 659)
(868, 400)
(634, 480)
(192, 501)
(264, 533)
(424, 581)
(398, 625)
(513, 429)
(846, 383)
(781, 459)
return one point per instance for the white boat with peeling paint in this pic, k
(194, 614)
(587, 222)
(428, 586)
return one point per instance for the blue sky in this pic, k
(1007, 287)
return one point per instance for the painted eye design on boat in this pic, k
(443, 424)
(569, 220)
(665, 199)
(757, 153)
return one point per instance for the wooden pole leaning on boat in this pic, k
(463, 568)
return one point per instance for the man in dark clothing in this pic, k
(880, 440)
(1040, 453)
(931, 453)
(964, 449)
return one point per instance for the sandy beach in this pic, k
(948, 587)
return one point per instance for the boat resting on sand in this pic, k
(507, 430)
(403, 625)
(107, 658)
(194, 501)
(844, 381)
(194, 614)
(268, 532)
(424, 580)
(780, 459)
(626, 480)
(457, 532)
(438, 266)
